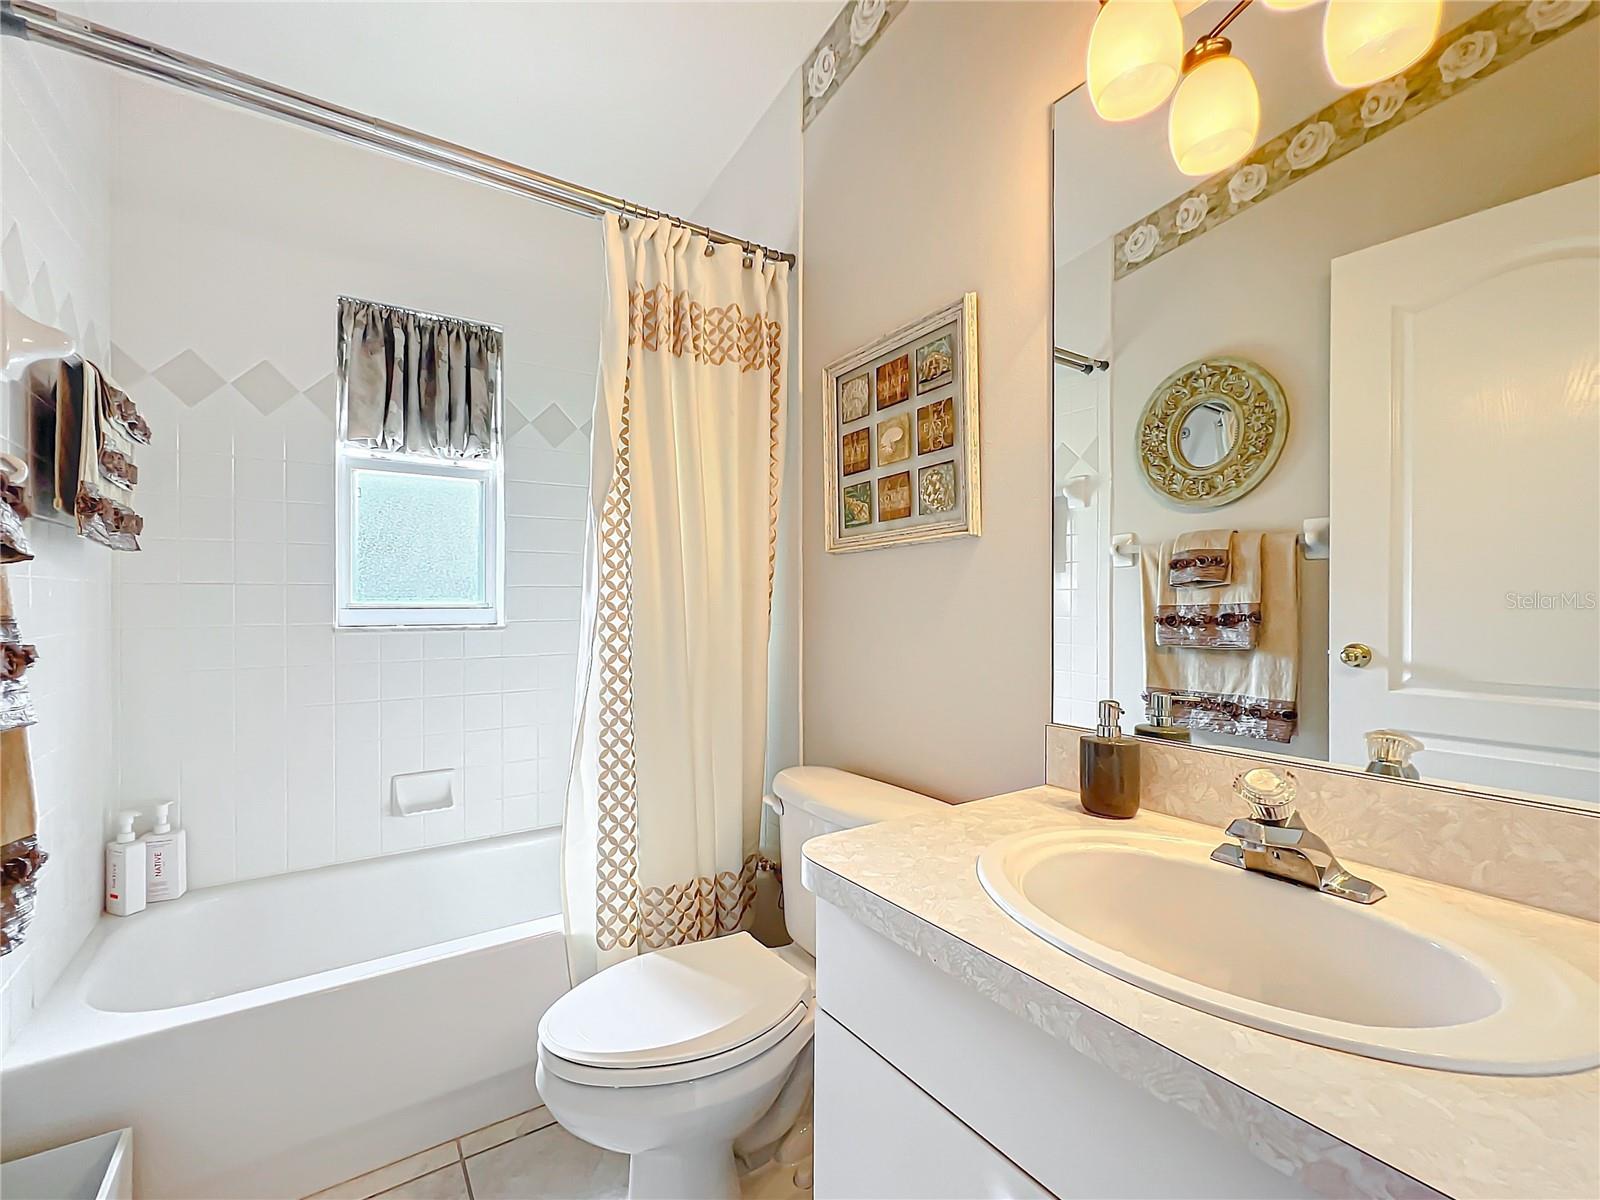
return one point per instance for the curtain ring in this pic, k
(711, 247)
(749, 256)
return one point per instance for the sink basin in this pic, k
(1411, 979)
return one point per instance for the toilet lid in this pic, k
(674, 1005)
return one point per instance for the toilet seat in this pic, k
(683, 1072)
(681, 1013)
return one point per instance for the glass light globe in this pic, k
(1215, 116)
(1135, 57)
(1365, 41)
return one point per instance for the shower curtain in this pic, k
(660, 845)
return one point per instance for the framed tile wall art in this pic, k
(901, 435)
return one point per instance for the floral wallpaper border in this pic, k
(1474, 50)
(854, 31)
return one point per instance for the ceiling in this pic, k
(647, 100)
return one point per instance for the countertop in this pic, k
(1345, 1124)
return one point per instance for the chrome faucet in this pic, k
(1275, 841)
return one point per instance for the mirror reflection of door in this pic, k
(1465, 409)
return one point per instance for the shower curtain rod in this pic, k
(40, 23)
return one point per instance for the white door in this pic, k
(1465, 430)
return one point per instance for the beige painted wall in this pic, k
(927, 176)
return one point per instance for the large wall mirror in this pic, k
(1387, 313)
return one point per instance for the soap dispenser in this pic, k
(166, 857)
(1108, 767)
(125, 891)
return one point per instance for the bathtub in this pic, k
(273, 1037)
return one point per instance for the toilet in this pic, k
(674, 1056)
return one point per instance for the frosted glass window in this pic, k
(416, 540)
(419, 540)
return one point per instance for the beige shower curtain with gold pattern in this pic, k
(664, 803)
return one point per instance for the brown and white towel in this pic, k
(96, 428)
(1215, 617)
(1251, 693)
(20, 856)
(14, 511)
(1201, 558)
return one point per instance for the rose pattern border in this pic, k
(854, 31)
(1460, 58)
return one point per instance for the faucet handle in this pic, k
(1269, 795)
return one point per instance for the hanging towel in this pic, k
(20, 856)
(1225, 617)
(96, 428)
(14, 511)
(16, 656)
(1201, 558)
(1251, 693)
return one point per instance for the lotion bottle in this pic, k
(1108, 767)
(125, 869)
(166, 857)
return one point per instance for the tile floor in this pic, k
(527, 1157)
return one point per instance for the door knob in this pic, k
(1356, 654)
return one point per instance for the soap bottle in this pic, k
(1108, 767)
(125, 890)
(1158, 722)
(166, 858)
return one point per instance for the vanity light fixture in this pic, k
(1216, 112)
(1366, 41)
(1135, 49)
(1136, 62)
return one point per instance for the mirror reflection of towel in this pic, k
(1225, 616)
(1251, 693)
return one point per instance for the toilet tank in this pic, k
(811, 801)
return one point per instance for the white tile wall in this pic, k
(55, 136)
(279, 734)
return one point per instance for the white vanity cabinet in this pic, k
(928, 1088)
(881, 1135)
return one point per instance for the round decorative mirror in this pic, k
(1212, 431)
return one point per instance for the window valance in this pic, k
(418, 383)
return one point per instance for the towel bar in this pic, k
(1314, 543)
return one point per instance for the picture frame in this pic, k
(921, 480)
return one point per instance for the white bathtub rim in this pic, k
(66, 1023)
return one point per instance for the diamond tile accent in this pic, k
(124, 368)
(67, 319)
(15, 264)
(555, 426)
(92, 344)
(44, 299)
(514, 422)
(324, 394)
(265, 387)
(189, 377)
(587, 429)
